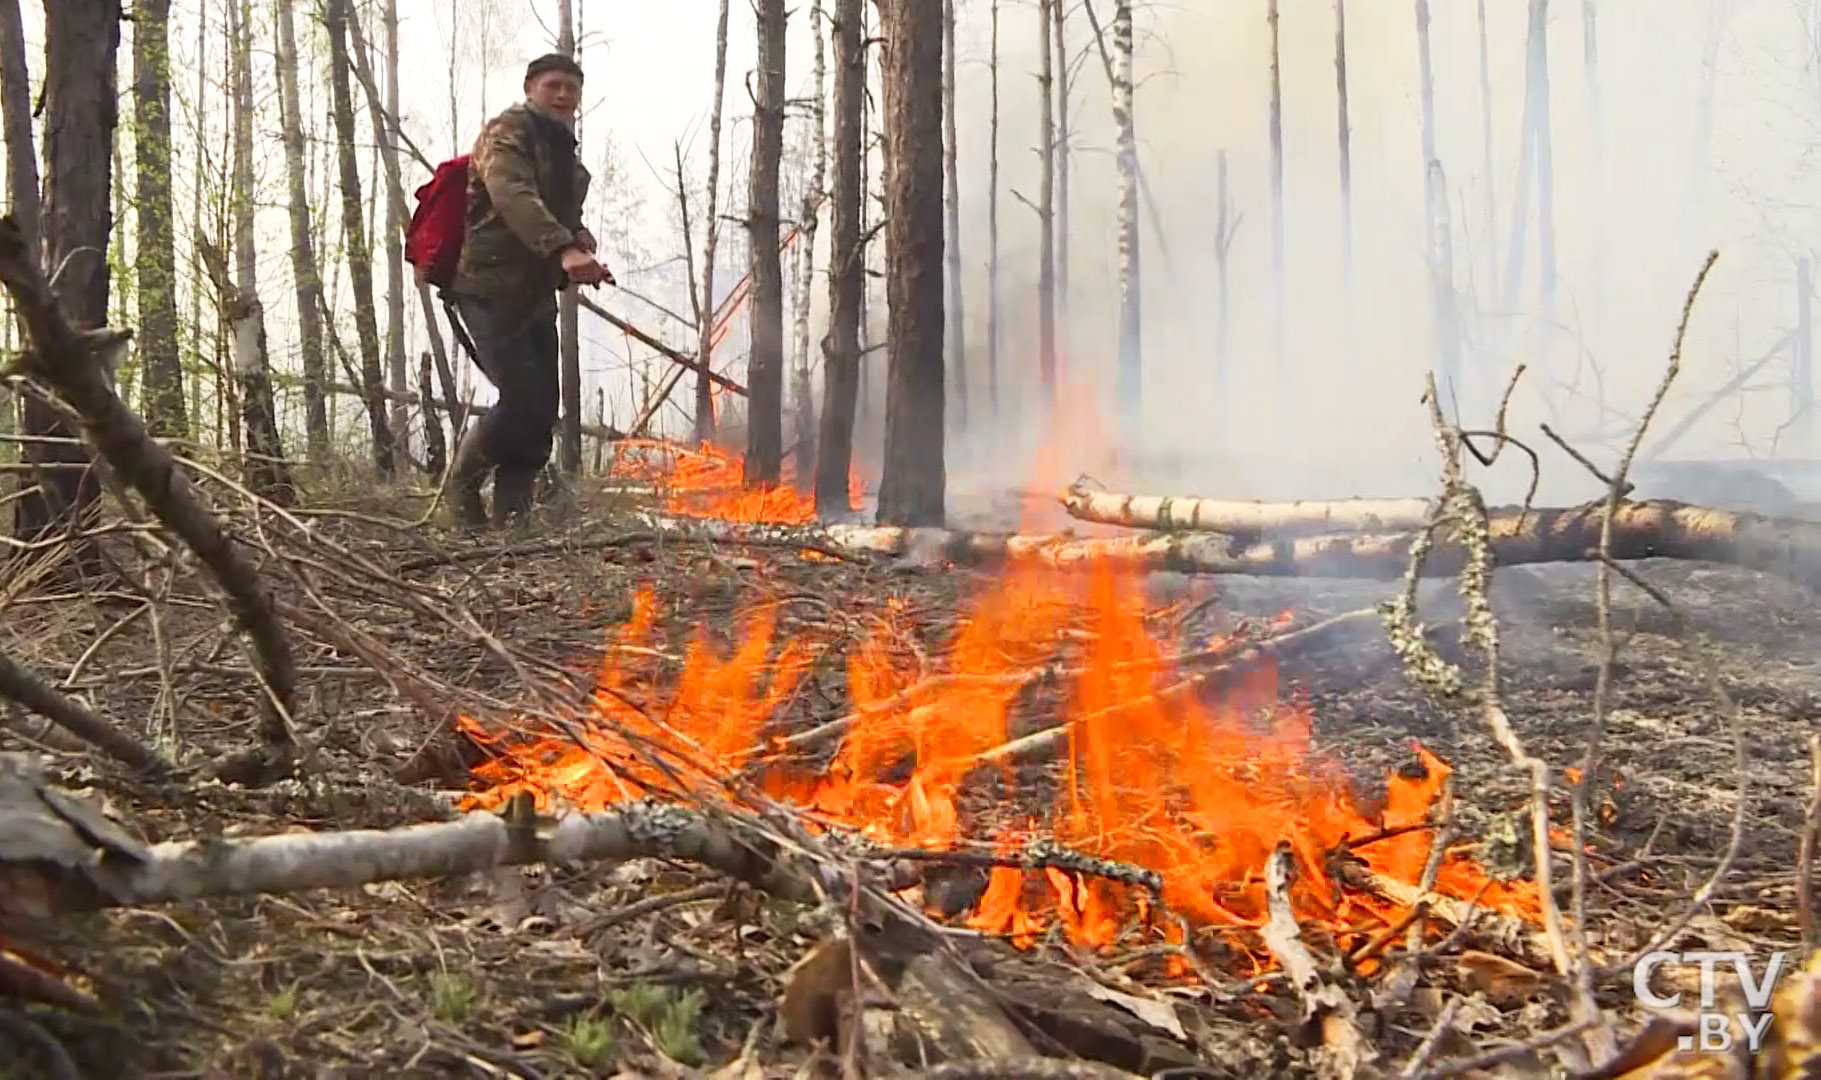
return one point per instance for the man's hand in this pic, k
(585, 240)
(582, 267)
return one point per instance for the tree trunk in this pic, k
(265, 470)
(1489, 179)
(1226, 223)
(992, 226)
(911, 490)
(22, 182)
(1046, 208)
(704, 410)
(304, 272)
(81, 43)
(841, 342)
(360, 256)
(1545, 178)
(1278, 297)
(802, 389)
(1595, 309)
(764, 462)
(569, 326)
(397, 363)
(1060, 72)
(155, 262)
(196, 140)
(1441, 278)
(1802, 360)
(957, 335)
(1345, 128)
(1131, 352)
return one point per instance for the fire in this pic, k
(708, 482)
(1198, 792)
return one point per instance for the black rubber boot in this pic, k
(512, 494)
(466, 475)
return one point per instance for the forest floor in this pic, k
(660, 968)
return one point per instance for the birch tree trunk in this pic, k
(704, 408)
(1131, 354)
(1226, 224)
(1596, 190)
(202, 101)
(992, 223)
(1489, 179)
(304, 271)
(397, 363)
(155, 262)
(841, 342)
(1060, 73)
(264, 469)
(1046, 209)
(763, 466)
(1545, 178)
(1278, 297)
(81, 46)
(957, 335)
(802, 389)
(1439, 262)
(1345, 128)
(569, 326)
(1802, 360)
(912, 488)
(359, 255)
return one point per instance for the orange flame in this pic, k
(1198, 792)
(709, 482)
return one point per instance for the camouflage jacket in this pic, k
(514, 236)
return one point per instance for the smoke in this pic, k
(1341, 414)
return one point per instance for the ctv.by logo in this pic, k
(1715, 1028)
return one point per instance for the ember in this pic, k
(1199, 793)
(708, 482)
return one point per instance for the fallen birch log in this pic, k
(290, 862)
(1245, 517)
(1652, 530)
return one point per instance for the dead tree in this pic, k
(568, 318)
(802, 390)
(1489, 179)
(1596, 191)
(81, 43)
(704, 411)
(957, 336)
(841, 342)
(1536, 165)
(911, 490)
(1226, 225)
(264, 468)
(155, 255)
(1278, 297)
(765, 365)
(1345, 128)
(1060, 72)
(354, 233)
(304, 272)
(1125, 142)
(992, 224)
(1441, 275)
(397, 362)
(1046, 209)
(1802, 357)
(22, 183)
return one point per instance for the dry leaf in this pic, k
(1159, 1014)
(1756, 920)
(1503, 981)
(528, 1040)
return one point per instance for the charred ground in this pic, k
(589, 971)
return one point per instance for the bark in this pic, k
(1641, 530)
(802, 389)
(397, 362)
(841, 342)
(22, 182)
(1489, 181)
(911, 489)
(155, 257)
(1125, 154)
(704, 410)
(1046, 208)
(354, 238)
(264, 469)
(957, 336)
(568, 317)
(992, 224)
(1802, 357)
(436, 450)
(1276, 126)
(1345, 128)
(71, 360)
(1241, 517)
(764, 463)
(82, 40)
(196, 219)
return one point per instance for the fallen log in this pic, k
(1652, 530)
(1245, 517)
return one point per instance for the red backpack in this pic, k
(433, 241)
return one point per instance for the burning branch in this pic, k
(68, 361)
(1344, 1050)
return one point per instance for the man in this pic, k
(524, 240)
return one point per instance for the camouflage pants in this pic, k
(516, 348)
